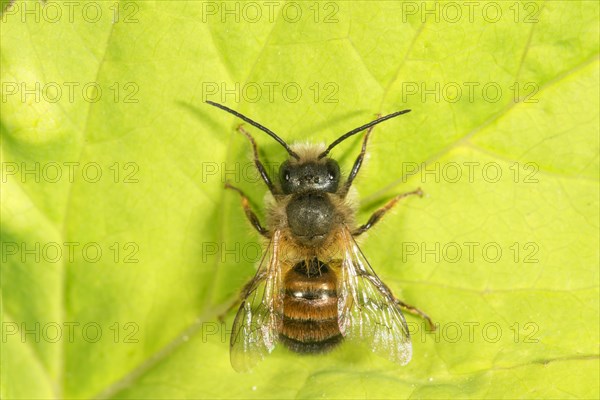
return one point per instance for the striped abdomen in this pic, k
(310, 321)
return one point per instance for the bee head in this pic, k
(309, 168)
(312, 174)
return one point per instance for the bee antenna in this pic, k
(360, 129)
(259, 126)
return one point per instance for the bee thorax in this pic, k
(310, 218)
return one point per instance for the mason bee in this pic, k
(314, 287)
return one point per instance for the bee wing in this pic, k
(367, 311)
(258, 321)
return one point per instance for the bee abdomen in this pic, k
(303, 347)
(310, 323)
(310, 305)
(310, 320)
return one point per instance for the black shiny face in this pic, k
(310, 176)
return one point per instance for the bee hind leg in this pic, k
(249, 213)
(248, 287)
(222, 315)
(377, 215)
(406, 307)
(415, 311)
(233, 305)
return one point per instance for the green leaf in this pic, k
(120, 247)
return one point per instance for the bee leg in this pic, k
(249, 213)
(259, 166)
(377, 215)
(221, 316)
(388, 292)
(251, 284)
(357, 163)
(415, 311)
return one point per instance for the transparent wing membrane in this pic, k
(367, 311)
(258, 321)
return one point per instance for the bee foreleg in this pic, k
(357, 163)
(249, 213)
(415, 311)
(259, 166)
(377, 215)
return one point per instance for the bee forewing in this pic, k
(257, 323)
(367, 311)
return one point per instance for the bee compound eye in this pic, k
(332, 172)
